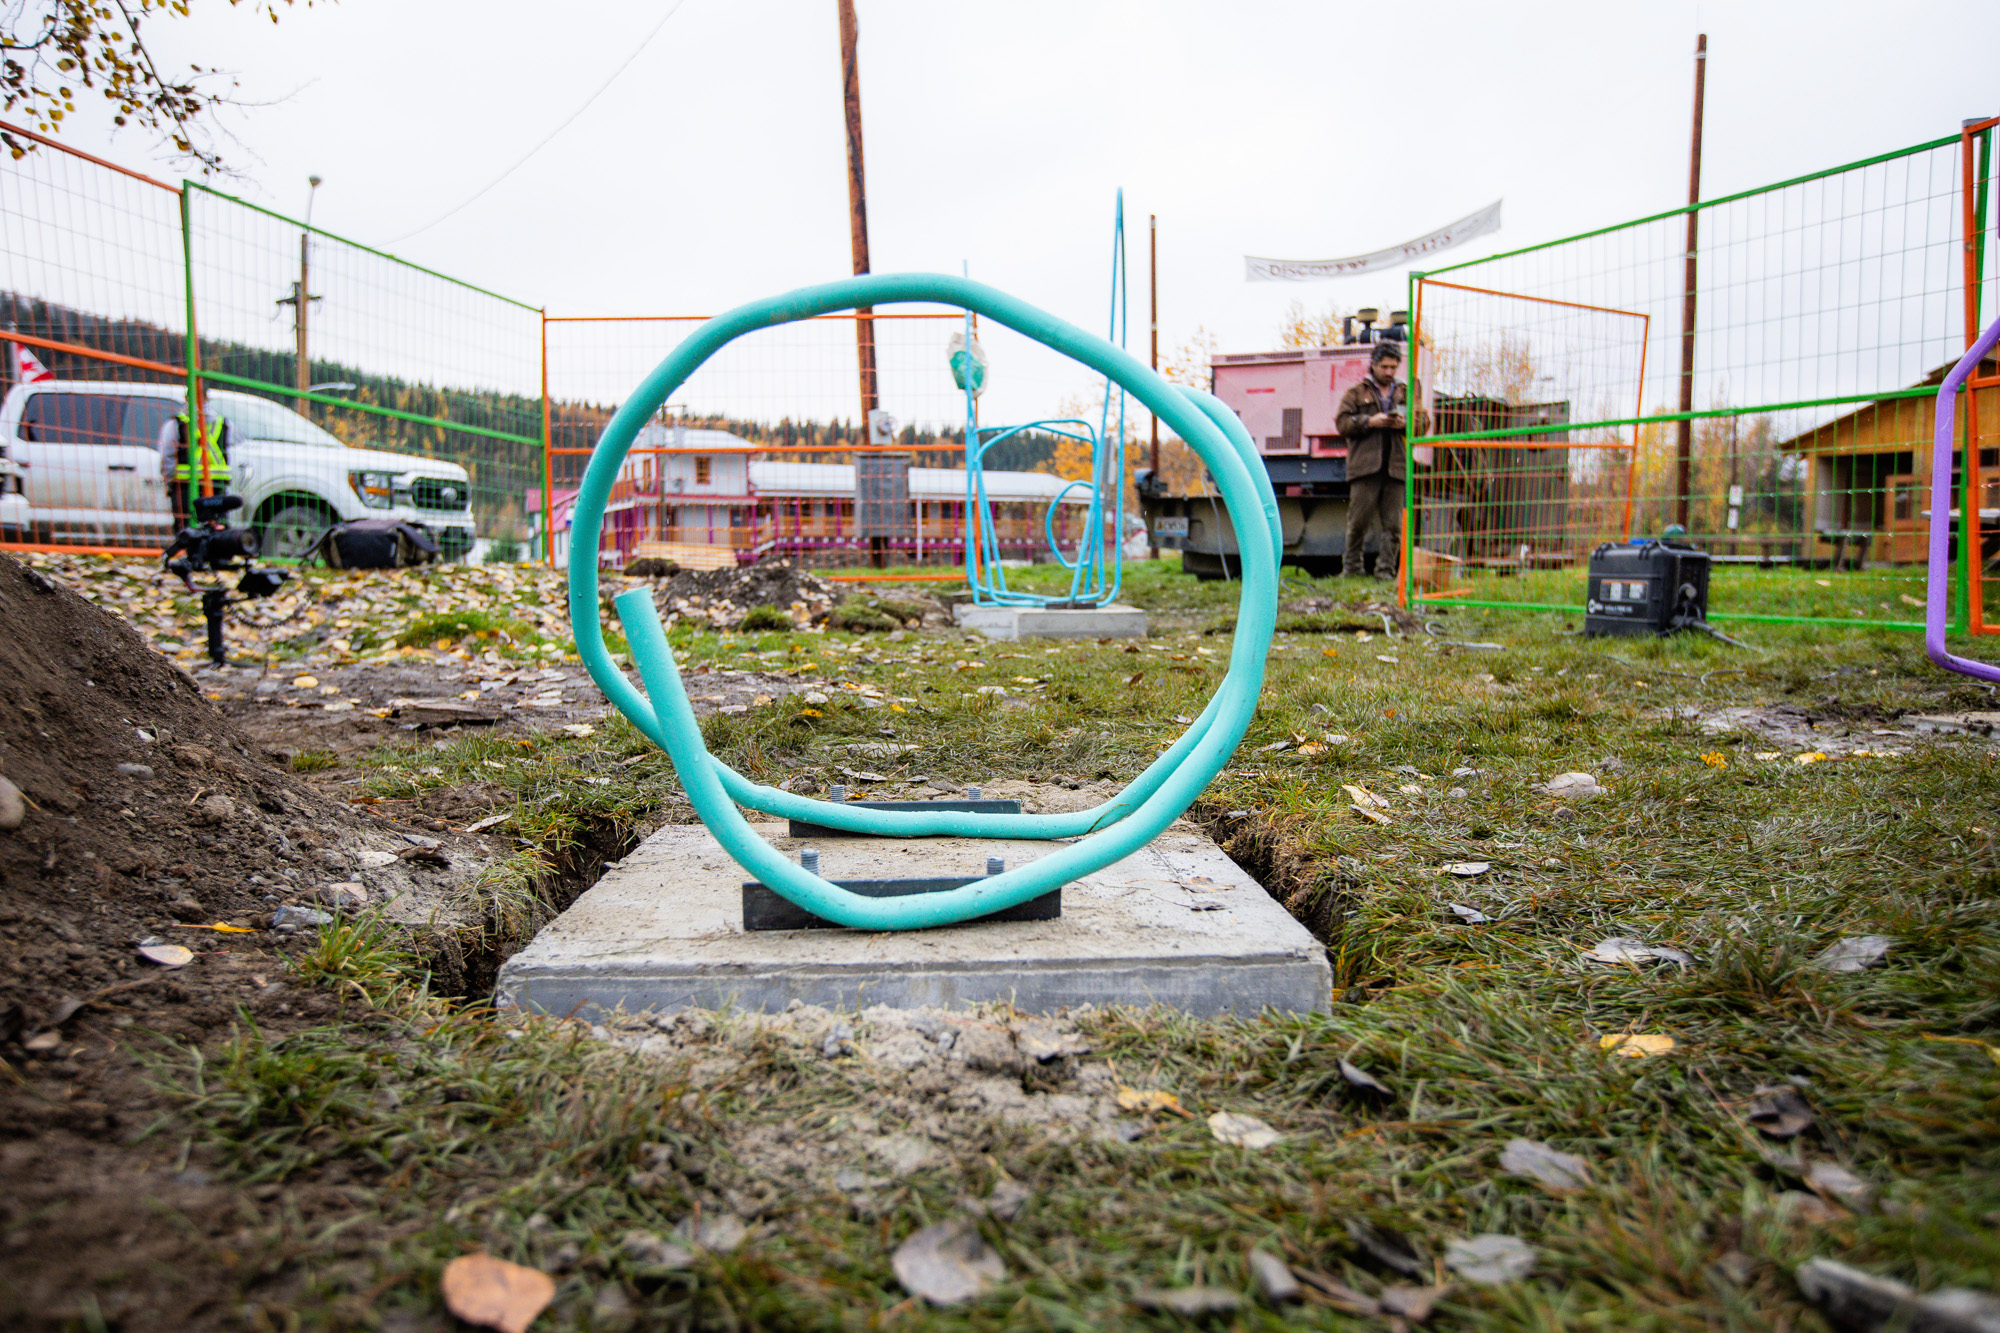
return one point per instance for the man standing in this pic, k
(1371, 420)
(181, 469)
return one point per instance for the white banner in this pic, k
(1257, 269)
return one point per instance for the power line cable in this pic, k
(550, 137)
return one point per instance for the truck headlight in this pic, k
(374, 489)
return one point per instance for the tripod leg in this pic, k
(212, 602)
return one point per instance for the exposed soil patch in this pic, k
(721, 598)
(938, 1085)
(146, 812)
(1796, 730)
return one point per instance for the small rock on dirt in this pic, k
(299, 917)
(142, 772)
(1242, 1131)
(1274, 1277)
(948, 1263)
(1852, 953)
(1490, 1259)
(13, 807)
(214, 811)
(1537, 1161)
(1188, 1302)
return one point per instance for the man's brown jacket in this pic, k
(1373, 451)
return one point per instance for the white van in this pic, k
(87, 457)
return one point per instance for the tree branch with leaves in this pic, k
(54, 51)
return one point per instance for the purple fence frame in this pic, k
(1942, 453)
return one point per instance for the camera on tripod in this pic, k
(211, 546)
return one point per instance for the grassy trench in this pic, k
(418, 1129)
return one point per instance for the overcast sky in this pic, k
(712, 170)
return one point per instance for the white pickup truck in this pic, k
(85, 457)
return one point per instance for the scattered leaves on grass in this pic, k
(1624, 949)
(1188, 1302)
(1466, 869)
(493, 1293)
(1387, 1247)
(1364, 798)
(167, 955)
(1242, 1131)
(947, 1263)
(1472, 916)
(1637, 1045)
(1362, 1081)
(1274, 1277)
(1490, 1259)
(1778, 1111)
(1852, 953)
(1537, 1161)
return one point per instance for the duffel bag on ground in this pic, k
(373, 543)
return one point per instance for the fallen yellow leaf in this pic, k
(222, 926)
(1152, 1099)
(1992, 1051)
(1810, 757)
(305, 682)
(1638, 1045)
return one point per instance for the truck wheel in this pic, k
(287, 533)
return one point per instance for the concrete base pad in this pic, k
(1176, 923)
(1116, 621)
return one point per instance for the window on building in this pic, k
(702, 471)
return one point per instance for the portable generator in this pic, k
(1646, 587)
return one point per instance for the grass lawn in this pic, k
(447, 1128)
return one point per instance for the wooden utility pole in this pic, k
(857, 201)
(1684, 441)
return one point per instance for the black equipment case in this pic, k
(1646, 587)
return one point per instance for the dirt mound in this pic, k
(722, 597)
(142, 813)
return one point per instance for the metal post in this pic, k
(302, 300)
(1684, 428)
(857, 201)
(196, 426)
(548, 456)
(1153, 312)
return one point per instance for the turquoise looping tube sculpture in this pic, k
(1107, 833)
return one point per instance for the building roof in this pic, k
(1808, 440)
(658, 435)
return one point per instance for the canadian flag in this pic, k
(27, 367)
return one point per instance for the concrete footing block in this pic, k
(1176, 923)
(1116, 621)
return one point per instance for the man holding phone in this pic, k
(1372, 421)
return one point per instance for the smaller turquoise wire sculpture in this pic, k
(1103, 835)
(1095, 576)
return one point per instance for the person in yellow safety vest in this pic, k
(182, 472)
